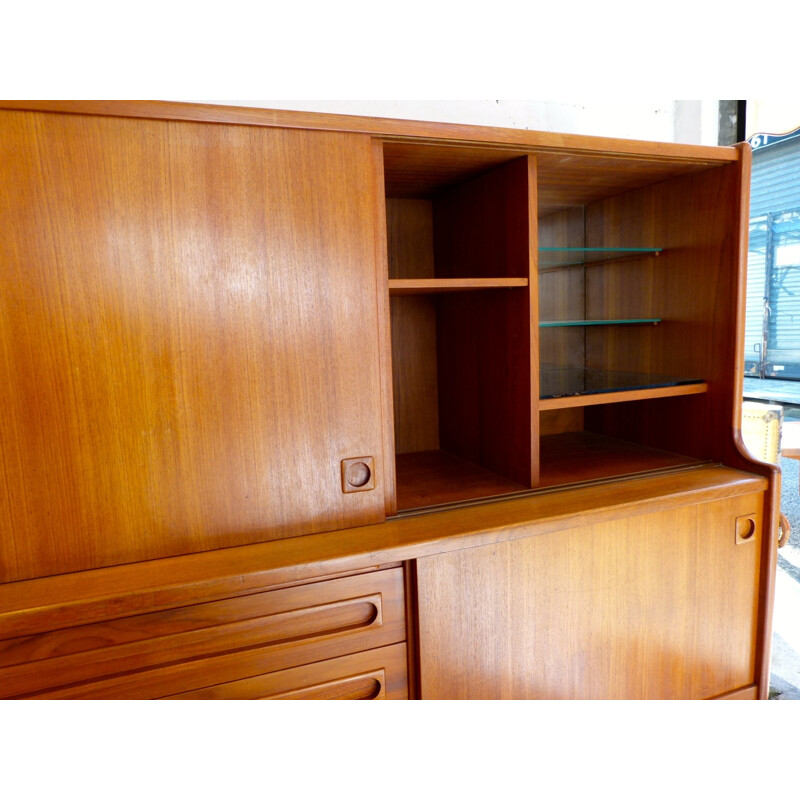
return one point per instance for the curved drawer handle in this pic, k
(365, 686)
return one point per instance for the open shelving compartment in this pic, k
(550, 317)
(626, 290)
(459, 251)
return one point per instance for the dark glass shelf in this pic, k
(558, 257)
(575, 381)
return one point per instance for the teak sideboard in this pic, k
(312, 406)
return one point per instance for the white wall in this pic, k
(686, 121)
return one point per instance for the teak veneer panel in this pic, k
(373, 675)
(566, 145)
(149, 654)
(414, 375)
(435, 477)
(655, 606)
(692, 287)
(574, 456)
(384, 330)
(745, 693)
(379, 674)
(627, 396)
(565, 180)
(182, 337)
(409, 235)
(485, 228)
(562, 292)
(444, 285)
(68, 600)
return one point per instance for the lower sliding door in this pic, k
(656, 605)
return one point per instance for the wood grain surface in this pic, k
(409, 225)
(562, 292)
(654, 606)
(187, 337)
(483, 228)
(436, 477)
(399, 287)
(62, 601)
(391, 128)
(379, 674)
(627, 396)
(414, 376)
(384, 328)
(148, 655)
(690, 287)
(575, 456)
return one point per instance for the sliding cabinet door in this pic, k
(188, 338)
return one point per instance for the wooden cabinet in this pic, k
(305, 405)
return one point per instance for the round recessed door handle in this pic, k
(358, 474)
(745, 528)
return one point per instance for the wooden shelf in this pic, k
(585, 323)
(401, 286)
(625, 396)
(567, 458)
(435, 477)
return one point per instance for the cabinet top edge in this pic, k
(392, 129)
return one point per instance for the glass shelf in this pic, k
(583, 323)
(558, 257)
(576, 381)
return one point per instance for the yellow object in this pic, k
(761, 430)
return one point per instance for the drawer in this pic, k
(374, 675)
(167, 652)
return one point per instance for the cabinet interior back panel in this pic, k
(186, 337)
(690, 286)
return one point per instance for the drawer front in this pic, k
(152, 655)
(374, 675)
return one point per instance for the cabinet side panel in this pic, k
(662, 605)
(187, 337)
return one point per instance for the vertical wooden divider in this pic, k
(384, 330)
(533, 294)
(482, 228)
